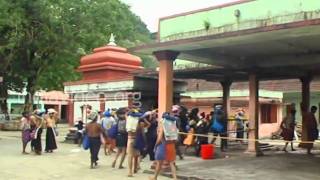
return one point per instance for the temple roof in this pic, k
(109, 62)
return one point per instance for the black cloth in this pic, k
(240, 133)
(121, 140)
(95, 144)
(36, 143)
(151, 139)
(184, 123)
(50, 140)
(151, 143)
(79, 126)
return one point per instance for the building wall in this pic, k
(77, 108)
(253, 14)
(266, 129)
(16, 103)
(105, 75)
(295, 97)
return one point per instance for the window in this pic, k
(269, 113)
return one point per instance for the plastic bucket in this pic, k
(207, 151)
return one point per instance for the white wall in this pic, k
(116, 104)
(77, 110)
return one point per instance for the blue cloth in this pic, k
(217, 127)
(86, 142)
(107, 114)
(140, 143)
(160, 152)
(135, 114)
(113, 131)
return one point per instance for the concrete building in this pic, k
(244, 41)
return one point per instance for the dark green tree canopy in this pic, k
(42, 41)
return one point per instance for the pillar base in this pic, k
(257, 153)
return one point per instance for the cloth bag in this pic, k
(160, 151)
(170, 127)
(113, 131)
(132, 122)
(86, 142)
(217, 126)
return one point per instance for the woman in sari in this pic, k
(26, 131)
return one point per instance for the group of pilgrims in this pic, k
(32, 126)
(133, 134)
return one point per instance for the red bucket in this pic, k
(207, 151)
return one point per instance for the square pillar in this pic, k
(226, 105)
(253, 146)
(70, 112)
(165, 88)
(59, 111)
(305, 104)
(102, 102)
(226, 96)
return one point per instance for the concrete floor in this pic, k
(69, 162)
(72, 162)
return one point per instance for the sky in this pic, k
(151, 10)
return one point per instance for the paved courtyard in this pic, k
(67, 163)
(72, 162)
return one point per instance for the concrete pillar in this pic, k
(59, 111)
(226, 104)
(226, 96)
(253, 146)
(70, 112)
(165, 90)
(305, 104)
(102, 102)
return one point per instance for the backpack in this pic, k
(170, 127)
(132, 122)
(113, 131)
(216, 126)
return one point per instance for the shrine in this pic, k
(109, 82)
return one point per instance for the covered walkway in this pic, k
(250, 40)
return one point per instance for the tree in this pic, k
(49, 34)
(9, 29)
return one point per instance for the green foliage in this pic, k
(42, 41)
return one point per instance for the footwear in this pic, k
(285, 150)
(113, 164)
(121, 167)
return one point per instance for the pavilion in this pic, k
(248, 40)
